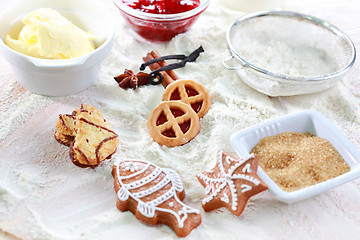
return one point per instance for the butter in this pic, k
(47, 34)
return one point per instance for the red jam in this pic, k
(161, 30)
(162, 6)
(170, 133)
(190, 92)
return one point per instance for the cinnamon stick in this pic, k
(171, 73)
(169, 76)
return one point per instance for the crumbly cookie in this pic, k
(88, 134)
(154, 195)
(173, 123)
(191, 93)
(94, 141)
(65, 129)
(231, 183)
(65, 124)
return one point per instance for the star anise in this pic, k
(130, 80)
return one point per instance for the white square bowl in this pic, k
(307, 121)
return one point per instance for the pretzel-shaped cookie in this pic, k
(173, 123)
(187, 91)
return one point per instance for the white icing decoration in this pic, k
(245, 188)
(131, 167)
(225, 198)
(142, 182)
(247, 168)
(175, 178)
(163, 197)
(123, 194)
(148, 208)
(228, 159)
(132, 175)
(227, 179)
(155, 188)
(247, 178)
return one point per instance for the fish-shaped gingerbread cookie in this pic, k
(154, 195)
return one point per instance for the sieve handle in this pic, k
(238, 65)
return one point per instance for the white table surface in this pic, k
(345, 15)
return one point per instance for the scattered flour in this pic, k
(289, 46)
(44, 196)
(278, 57)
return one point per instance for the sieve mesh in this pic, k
(291, 46)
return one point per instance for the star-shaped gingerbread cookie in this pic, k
(231, 183)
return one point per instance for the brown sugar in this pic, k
(297, 160)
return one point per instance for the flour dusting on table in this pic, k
(44, 196)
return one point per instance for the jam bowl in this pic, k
(159, 27)
(59, 77)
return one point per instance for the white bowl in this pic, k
(307, 121)
(59, 77)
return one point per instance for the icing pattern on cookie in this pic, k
(231, 183)
(148, 185)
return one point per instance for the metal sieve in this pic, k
(282, 53)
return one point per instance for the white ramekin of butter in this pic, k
(41, 40)
(309, 121)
